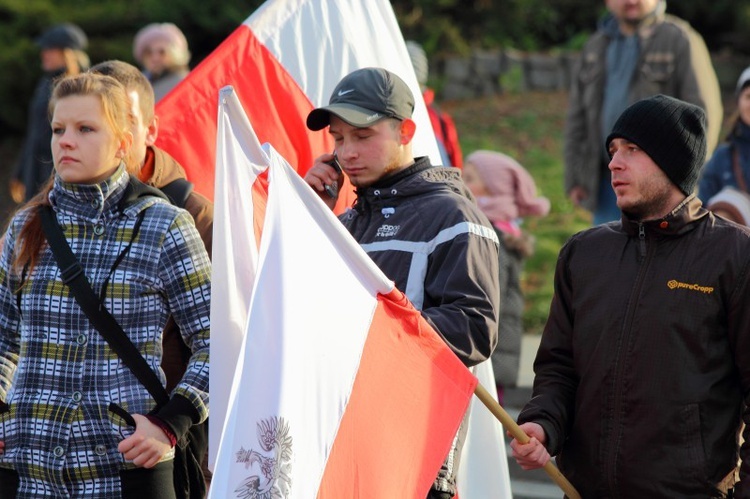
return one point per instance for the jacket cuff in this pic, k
(179, 414)
(551, 437)
(164, 427)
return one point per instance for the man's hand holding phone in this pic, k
(332, 189)
(325, 177)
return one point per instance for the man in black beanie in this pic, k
(643, 372)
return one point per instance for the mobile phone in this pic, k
(333, 189)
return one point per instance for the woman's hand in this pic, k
(147, 445)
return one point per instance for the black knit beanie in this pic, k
(672, 132)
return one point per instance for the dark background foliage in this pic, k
(443, 26)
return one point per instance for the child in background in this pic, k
(506, 193)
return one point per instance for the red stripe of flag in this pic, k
(272, 100)
(409, 389)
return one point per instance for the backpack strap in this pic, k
(178, 191)
(137, 189)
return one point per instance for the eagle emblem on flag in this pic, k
(274, 478)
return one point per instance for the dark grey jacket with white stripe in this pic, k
(423, 229)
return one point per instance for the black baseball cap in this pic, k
(364, 97)
(63, 36)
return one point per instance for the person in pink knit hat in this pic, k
(161, 50)
(506, 193)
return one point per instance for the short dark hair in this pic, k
(133, 80)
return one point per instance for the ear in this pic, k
(408, 128)
(152, 131)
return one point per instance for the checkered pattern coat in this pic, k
(60, 383)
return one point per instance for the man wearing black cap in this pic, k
(62, 51)
(643, 371)
(417, 222)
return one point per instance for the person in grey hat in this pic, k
(62, 51)
(161, 50)
(442, 122)
(418, 222)
(642, 377)
(729, 166)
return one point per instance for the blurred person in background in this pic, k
(732, 204)
(506, 193)
(62, 53)
(637, 51)
(729, 166)
(161, 50)
(442, 123)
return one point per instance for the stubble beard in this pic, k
(653, 203)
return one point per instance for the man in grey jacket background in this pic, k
(638, 51)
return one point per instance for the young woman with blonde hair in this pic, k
(74, 420)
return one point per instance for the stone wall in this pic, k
(487, 73)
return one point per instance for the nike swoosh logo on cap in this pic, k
(344, 92)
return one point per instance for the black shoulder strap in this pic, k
(101, 319)
(137, 189)
(178, 191)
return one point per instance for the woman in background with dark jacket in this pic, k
(62, 53)
(729, 166)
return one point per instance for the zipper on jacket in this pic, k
(614, 438)
(641, 242)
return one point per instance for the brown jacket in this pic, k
(165, 170)
(673, 61)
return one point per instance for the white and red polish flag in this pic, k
(285, 60)
(341, 389)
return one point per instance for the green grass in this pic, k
(528, 126)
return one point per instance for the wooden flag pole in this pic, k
(517, 433)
